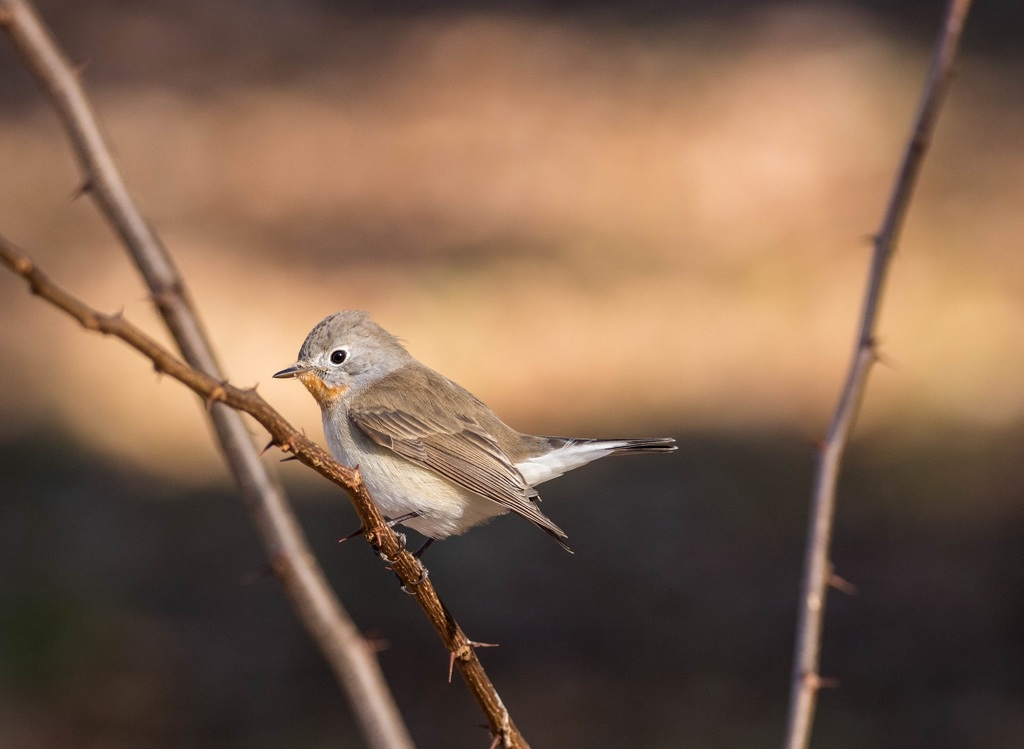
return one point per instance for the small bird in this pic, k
(433, 456)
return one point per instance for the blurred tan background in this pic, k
(591, 226)
(602, 219)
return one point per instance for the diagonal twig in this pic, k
(285, 436)
(806, 681)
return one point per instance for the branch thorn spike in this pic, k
(886, 361)
(843, 585)
(82, 189)
(358, 532)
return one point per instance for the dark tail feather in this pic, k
(557, 538)
(580, 452)
(649, 445)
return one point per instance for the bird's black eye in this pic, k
(339, 356)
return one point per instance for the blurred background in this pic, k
(604, 219)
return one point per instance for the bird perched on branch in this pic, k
(433, 456)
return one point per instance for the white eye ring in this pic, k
(338, 356)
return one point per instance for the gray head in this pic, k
(345, 350)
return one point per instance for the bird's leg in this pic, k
(391, 524)
(402, 518)
(426, 544)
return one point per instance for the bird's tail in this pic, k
(649, 445)
(567, 453)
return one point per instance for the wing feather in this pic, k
(457, 447)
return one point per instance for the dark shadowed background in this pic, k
(603, 219)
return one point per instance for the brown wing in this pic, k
(441, 436)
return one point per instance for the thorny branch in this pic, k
(806, 681)
(287, 438)
(342, 645)
(353, 661)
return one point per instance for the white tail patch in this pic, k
(551, 465)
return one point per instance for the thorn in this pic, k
(886, 361)
(264, 450)
(818, 443)
(81, 67)
(357, 532)
(161, 299)
(376, 644)
(497, 741)
(816, 682)
(86, 185)
(842, 585)
(290, 457)
(463, 651)
(6, 17)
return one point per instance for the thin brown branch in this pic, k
(287, 438)
(806, 681)
(354, 663)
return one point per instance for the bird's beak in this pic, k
(293, 371)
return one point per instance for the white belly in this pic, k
(399, 486)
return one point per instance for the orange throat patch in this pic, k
(321, 392)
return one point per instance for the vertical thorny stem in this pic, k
(806, 680)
